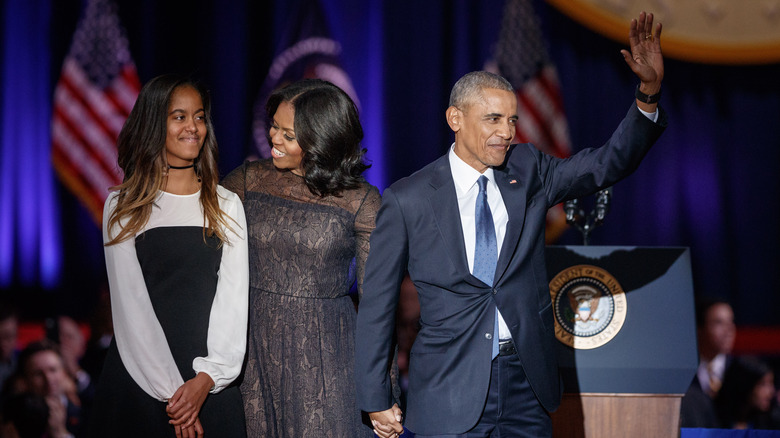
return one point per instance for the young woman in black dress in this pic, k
(176, 256)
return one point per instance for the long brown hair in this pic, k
(141, 146)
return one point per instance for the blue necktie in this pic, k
(485, 250)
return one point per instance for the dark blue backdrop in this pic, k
(710, 183)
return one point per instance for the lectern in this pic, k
(624, 319)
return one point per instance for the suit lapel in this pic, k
(444, 205)
(514, 194)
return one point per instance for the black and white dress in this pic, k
(179, 307)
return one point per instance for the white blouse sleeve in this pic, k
(228, 321)
(140, 340)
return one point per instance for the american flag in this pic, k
(521, 57)
(97, 89)
(306, 51)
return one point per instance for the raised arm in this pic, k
(645, 59)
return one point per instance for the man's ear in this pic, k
(454, 118)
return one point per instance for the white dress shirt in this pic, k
(466, 188)
(717, 366)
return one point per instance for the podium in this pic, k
(627, 339)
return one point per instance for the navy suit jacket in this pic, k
(419, 230)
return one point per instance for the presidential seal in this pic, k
(589, 306)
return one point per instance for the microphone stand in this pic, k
(576, 216)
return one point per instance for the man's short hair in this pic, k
(469, 87)
(703, 305)
(34, 348)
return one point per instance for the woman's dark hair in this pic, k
(329, 133)
(141, 147)
(732, 403)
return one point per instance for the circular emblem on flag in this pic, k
(589, 306)
(311, 57)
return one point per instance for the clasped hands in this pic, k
(387, 423)
(183, 408)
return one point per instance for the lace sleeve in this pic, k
(365, 222)
(235, 181)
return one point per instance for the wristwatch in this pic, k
(647, 98)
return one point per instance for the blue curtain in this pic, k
(30, 247)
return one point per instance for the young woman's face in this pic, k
(285, 151)
(186, 127)
(764, 392)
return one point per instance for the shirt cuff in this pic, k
(652, 116)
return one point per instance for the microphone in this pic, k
(603, 198)
(572, 210)
(577, 217)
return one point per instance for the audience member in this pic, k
(42, 372)
(28, 415)
(65, 332)
(9, 325)
(746, 399)
(716, 332)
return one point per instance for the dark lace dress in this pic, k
(299, 379)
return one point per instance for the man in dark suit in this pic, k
(42, 373)
(469, 229)
(716, 333)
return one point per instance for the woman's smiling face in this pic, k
(285, 151)
(186, 127)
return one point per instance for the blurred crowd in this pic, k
(47, 387)
(728, 391)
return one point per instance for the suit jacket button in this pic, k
(495, 291)
(488, 335)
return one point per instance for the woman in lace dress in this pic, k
(310, 214)
(177, 262)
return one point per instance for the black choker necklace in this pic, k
(181, 167)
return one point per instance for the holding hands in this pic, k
(387, 424)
